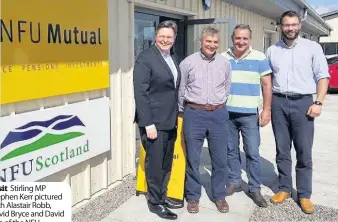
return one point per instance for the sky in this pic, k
(324, 6)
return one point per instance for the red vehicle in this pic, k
(333, 70)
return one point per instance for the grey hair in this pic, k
(210, 31)
(167, 24)
(241, 26)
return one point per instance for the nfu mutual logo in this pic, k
(41, 145)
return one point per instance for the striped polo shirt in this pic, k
(246, 75)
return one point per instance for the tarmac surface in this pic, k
(325, 183)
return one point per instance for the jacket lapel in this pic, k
(164, 63)
(174, 57)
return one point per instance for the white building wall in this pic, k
(333, 22)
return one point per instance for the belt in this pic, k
(292, 96)
(205, 107)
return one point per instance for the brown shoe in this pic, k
(193, 206)
(222, 206)
(306, 205)
(279, 197)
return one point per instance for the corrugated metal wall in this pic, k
(92, 177)
(221, 8)
(334, 33)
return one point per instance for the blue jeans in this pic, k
(248, 126)
(213, 125)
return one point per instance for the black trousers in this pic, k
(158, 162)
(291, 124)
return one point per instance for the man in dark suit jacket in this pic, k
(156, 82)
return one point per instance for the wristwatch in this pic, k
(317, 103)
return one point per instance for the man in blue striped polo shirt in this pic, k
(250, 72)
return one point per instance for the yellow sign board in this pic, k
(177, 176)
(51, 48)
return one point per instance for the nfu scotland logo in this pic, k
(35, 146)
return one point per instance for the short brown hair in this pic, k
(167, 24)
(290, 13)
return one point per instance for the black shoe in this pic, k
(232, 188)
(258, 199)
(173, 204)
(162, 211)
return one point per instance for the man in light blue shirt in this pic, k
(299, 70)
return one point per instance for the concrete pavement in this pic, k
(325, 177)
(325, 156)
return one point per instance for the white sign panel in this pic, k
(40, 143)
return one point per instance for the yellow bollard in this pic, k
(177, 177)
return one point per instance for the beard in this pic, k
(285, 35)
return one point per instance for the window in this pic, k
(330, 48)
(267, 41)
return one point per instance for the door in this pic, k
(144, 31)
(193, 30)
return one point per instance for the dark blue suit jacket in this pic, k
(156, 96)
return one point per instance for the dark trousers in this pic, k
(291, 124)
(213, 125)
(248, 126)
(158, 162)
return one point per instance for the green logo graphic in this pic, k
(41, 134)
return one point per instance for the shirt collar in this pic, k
(231, 52)
(293, 44)
(164, 54)
(204, 57)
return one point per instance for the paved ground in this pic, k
(325, 183)
(102, 206)
(325, 177)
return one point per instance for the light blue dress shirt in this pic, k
(169, 60)
(298, 68)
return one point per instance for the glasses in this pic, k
(290, 25)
